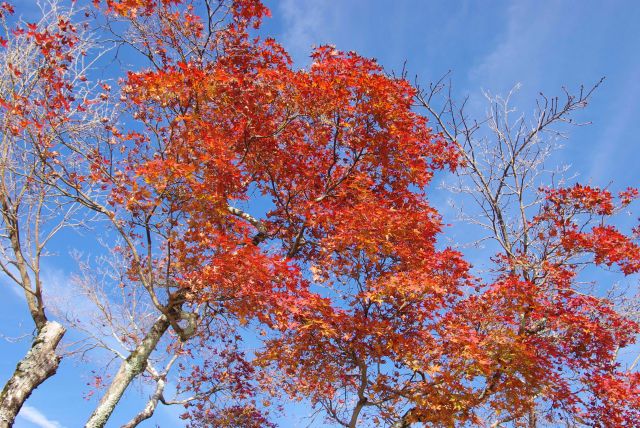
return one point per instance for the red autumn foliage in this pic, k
(296, 201)
(344, 267)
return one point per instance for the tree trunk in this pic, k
(40, 363)
(130, 368)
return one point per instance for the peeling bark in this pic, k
(40, 363)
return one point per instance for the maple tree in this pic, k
(435, 346)
(246, 194)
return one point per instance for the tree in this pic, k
(550, 233)
(42, 99)
(343, 141)
(245, 194)
(525, 344)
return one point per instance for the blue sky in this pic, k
(489, 45)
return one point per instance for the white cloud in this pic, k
(616, 155)
(303, 20)
(36, 417)
(527, 37)
(306, 21)
(8, 283)
(15, 289)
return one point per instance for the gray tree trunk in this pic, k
(130, 368)
(40, 363)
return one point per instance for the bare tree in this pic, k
(36, 113)
(505, 155)
(115, 316)
(506, 173)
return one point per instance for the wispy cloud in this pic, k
(36, 417)
(615, 153)
(8, 284)
(305, 22)
(560, 45)
(527, 37)
(15, 289)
